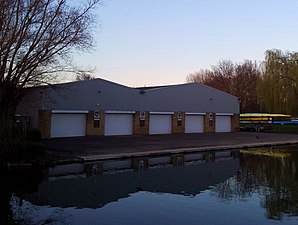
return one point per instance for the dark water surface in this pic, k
(219, 188)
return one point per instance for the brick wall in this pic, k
(44, 123)
(90, 129)
(178, 127)
(140, 127)
(235, 126)
(209, 127)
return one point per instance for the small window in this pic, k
(179, 123)
(96, 123)
(142, 123)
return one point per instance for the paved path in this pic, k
(95, 148)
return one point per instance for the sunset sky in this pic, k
(156, 42)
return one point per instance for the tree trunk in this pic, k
(7, 123)
(8, 102)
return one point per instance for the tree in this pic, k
(236, 79)
(244, 85)
(219, 77)
(84, 76)
(277, 86)
(224, 73)
(203, 76)
(37, 38)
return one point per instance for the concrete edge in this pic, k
(93, 158)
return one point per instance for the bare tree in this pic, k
(84, 76)
(244, 85)
(236, 79)
(223, 75)
(37, 38)
(219, 77)
(203, 76)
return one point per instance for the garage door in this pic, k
(118, 124)
(223, 124)
(68, 125)
(194, 124)
(160, 124)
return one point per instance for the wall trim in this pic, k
(224, 114)
(119, 112)
(70, 111)
(162, 113)
(200, 114)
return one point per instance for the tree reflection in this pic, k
(274, 179)
(18, 182)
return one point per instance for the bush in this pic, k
(21, 151)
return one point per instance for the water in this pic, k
(215, 188)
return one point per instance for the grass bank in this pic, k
(273, 128)
(285, 128)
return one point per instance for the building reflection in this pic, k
(270, 175)
(99, 190)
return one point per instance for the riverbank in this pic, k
(86, 149)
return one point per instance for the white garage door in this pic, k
(160, 124)
(194, 124)
(223, 124)
(118, 124)
(68, 125)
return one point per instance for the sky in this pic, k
(157, 42)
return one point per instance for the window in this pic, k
(142, 123)
(96, 123)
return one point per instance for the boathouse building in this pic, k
(101, 107)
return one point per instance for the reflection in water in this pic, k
(17, 183)
(97, 191)
(247, 189)
(272, 175)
